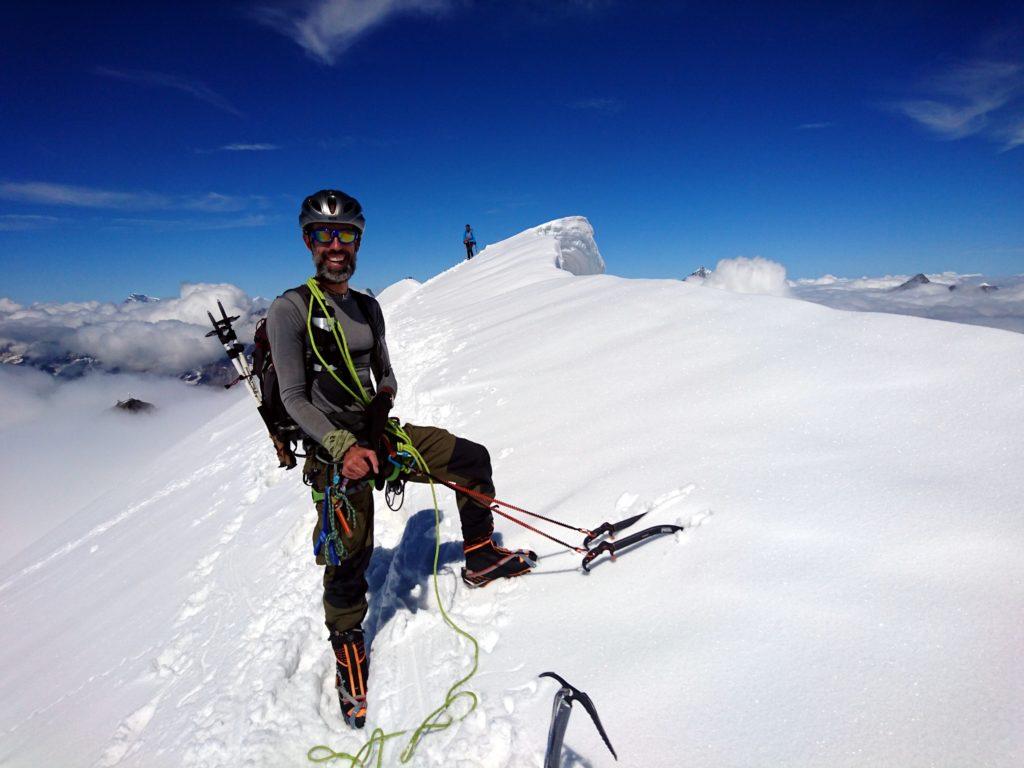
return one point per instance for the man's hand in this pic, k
(358, 462)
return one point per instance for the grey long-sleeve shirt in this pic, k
(286, 328)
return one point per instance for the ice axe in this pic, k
(560, 712)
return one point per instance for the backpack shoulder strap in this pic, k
(371, 309)
(299, 296)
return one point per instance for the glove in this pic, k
(377, 417)
(337, 442)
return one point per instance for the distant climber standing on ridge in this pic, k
(327, 339)
(469, 241)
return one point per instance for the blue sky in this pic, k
(174, 142)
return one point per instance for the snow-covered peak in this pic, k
(573, 237)
(398, 291)
(140, 298)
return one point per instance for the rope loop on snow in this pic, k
(440, 718)
(322, 753)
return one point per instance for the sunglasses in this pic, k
(325, 235)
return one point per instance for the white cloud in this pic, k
(166, 337)
(743, 275)
(968, 303)
(47, 423)
(327, 28)
(193, 88)
(63, 195)
(969, 99)
(60, 196)
(232, 222)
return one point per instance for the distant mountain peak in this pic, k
(134, 405)
(918, 279)
(140, 298)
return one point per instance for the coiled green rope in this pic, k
(439, 719)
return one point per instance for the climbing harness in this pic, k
(394, 480)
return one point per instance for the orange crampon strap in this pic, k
(351, 658)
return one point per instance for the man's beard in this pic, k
(334, 276)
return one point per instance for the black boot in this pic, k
(352, 673)
(486, 561)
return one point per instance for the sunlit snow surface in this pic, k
(848, 591)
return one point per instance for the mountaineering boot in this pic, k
(352, 672)
(486, 561)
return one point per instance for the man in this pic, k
(469, 241)
(344, 433)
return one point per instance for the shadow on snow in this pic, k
(394, 574)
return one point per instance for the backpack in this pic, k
(282, 427)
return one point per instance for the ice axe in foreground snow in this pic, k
(560, 712)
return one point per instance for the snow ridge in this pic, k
(839, 607)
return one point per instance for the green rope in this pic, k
(339, 336)
(322, 753)
(433, 722)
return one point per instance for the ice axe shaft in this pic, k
(560, 712)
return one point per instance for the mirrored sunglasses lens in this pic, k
(325, 236)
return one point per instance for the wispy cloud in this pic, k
(813, 126)
(64, 195)
(327, 28)
(241, 222)
(972, 98)
(163, 80)
(605, 105)
(249, 147)
(18, 222)
(1013, 134)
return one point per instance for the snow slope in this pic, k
(848, 591)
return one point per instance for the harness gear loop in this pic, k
(336, 509)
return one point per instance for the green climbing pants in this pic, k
(450, 458)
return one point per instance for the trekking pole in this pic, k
(225, 334)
